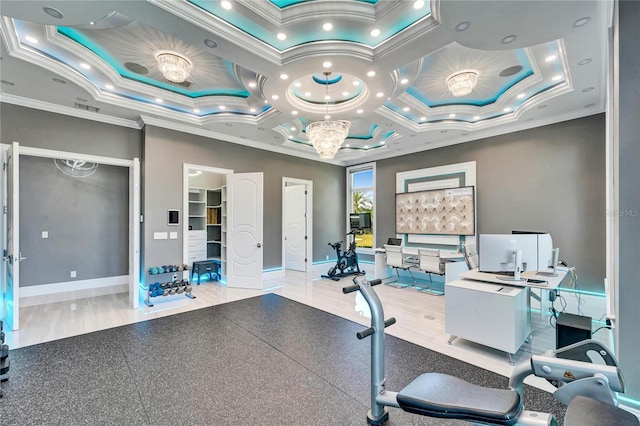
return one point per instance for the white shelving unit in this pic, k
(207, 225)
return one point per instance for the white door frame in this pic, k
(134, 206)
(185, 201)
(309, 231)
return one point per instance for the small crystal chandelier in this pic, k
(173, 67)
(328, 135)
(462, 83)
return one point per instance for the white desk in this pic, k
(487, 309)
(453, 268)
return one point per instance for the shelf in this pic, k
(196, 202)
(214, 242)
(197, 215)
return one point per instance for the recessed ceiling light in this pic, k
(158, 100)
(307, 94)
(108, 86)
(451, 115)
(294, 112)
(356, 82)
(375, 32)
(345, 93)
(92, 23)
(85, 66)
(443, 131)
(196, 110)
(507, 109)
(404, 81)
(327, 64)
(520, 96)
(585, 61)
(327, 97)
(266, 101)
(371, 73)
(53, 12)
(551, 58)
(423, 118)
(31, 39)
(347, 145)
(379, 94)
(406, 109)
(508, 39)
(59, 80)
(297, 84)
(327, 117)
(275, 97)
(252, 110)
(226, 4)
(327, 26)
(418, 4)
(222, 107)
(587, 89)
(509, 71)
(290, 136)
(477, 117)
(366, 147)
(252, 84)
(211, 43)
(556, 77)
(582, 21)
(359, 111)
(281, 36)
(293, 129)
(7, 82)
(463, 26)
(284, 76)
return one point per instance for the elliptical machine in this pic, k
(347, 261)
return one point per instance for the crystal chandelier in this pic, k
(462, 83)
(328, 135)
(173, 67)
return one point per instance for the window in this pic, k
(361, 199)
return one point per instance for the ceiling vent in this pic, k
(86, 107)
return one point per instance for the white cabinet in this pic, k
(197, 246)
(493, 315)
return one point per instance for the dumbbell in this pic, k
(165, 289)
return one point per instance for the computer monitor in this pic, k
(497, 252)
(360, 220)
(394, 242)
(546, 252)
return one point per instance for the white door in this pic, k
(295, 231)
(244, 230)
(12, 256)
(134, 236)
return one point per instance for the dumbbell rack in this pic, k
(159, 277)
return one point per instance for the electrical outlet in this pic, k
(327, 257)
(73, 274)
(45, 234)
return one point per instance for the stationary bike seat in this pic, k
(444, 396)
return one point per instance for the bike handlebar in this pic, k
(369, 331)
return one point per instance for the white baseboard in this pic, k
(70, 290)
(269, 275)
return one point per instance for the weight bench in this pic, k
(205, 267)
(444, 396)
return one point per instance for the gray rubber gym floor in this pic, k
(261, 361)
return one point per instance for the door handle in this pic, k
(20, 257)
(259, 245)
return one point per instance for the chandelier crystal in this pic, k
(173, 67)
(462, 83)
(327, 136)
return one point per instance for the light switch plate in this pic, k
(173, 235)
(45, 234)
(159, 235)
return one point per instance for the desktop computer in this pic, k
(572, 329)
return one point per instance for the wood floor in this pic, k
(420, 316)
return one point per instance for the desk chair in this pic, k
(395, 259)
(470, 255)
(431, 263)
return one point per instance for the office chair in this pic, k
(470, 255)
(395, 259)
(431, 263)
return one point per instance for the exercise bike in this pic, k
(347, 261)
(582, 385)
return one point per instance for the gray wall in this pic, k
(628, 314)
(86, 218)
(41, 129)
(551, 178)
(165, 152)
